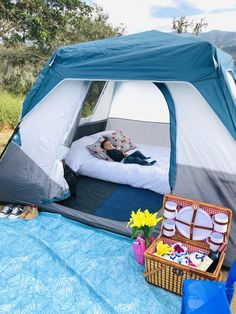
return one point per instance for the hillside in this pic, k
(222, 39)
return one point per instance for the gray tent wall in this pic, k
(31, 169)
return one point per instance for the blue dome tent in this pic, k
(193, 84)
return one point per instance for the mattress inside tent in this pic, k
(154, 178)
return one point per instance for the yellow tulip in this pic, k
(144, 223)
(137, 220)
(151, 219)
(140, 219)
(163, 249)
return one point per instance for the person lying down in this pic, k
(117, 155)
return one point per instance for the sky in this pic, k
(141, 15)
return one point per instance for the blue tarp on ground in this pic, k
(55, 265)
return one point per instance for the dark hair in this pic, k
(103, 143)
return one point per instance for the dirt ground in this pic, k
(4, 137)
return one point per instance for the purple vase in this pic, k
(139, 247)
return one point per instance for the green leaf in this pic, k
(135, 232)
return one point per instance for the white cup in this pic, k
(220, 222)
(170, 210)
(215, 240)
(168, 228)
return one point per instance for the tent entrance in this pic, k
(142, 110)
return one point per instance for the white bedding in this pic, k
(155, 178)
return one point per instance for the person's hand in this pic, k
(125, 154)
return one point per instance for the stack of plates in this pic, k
(202, 219)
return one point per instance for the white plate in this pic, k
(202, 219)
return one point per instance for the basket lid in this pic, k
(196, 220)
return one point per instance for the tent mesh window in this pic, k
(92, 97)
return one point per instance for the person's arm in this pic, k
(110, 154)
(115, 154)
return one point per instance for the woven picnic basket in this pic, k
(170, 275)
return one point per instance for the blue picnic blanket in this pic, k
(53, 265)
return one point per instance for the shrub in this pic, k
(19, 67)
(9, 109)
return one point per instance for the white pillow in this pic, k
(96, 136)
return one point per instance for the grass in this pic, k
(10, 106)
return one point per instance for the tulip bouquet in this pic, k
(143, 222)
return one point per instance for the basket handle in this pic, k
(154, 271)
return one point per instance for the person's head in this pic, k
(107, 145)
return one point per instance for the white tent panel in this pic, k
(141, 101)
(152, 133)
(44, 130)
(231, 82)
(102, 108)
(202, 139)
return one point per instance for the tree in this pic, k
(19, 66)
(199, 26)
(184, 25)
(51, 23)
(180, 25)
(30, 30)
